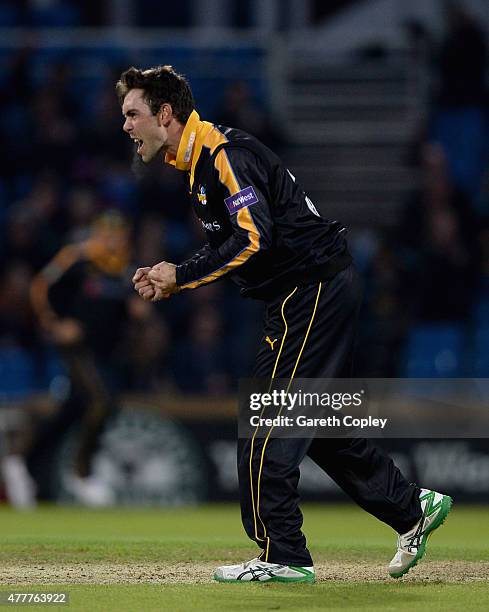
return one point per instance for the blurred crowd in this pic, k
(79, 213)
(67, 163)
(426, 312)
(65, 167)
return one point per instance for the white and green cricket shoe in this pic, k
(411, 545)
(260, 571)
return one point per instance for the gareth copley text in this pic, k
(304, 421)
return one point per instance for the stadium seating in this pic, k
(434, 350)
(17, 372)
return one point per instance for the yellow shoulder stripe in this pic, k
(226, 173)
(210, 137)
(243, 217)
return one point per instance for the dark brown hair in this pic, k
(160, 84)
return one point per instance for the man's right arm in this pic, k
(243, 187)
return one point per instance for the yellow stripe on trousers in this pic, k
(269, 433)
(256, 430)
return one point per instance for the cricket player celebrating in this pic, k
(266, 234)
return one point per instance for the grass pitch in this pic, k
(144, 560)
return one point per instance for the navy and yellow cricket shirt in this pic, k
(262, 229)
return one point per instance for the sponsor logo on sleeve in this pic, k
(244, 198)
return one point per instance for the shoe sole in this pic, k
(446, 506)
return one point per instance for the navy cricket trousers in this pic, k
(314, 326)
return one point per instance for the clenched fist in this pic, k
(163, 276)
(146, 289)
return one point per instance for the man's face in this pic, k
(142, 126)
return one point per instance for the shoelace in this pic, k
(247, 564)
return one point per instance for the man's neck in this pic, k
(176, 138)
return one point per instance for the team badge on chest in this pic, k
(202, 196)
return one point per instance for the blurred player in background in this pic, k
(267, 235)
(82, 300)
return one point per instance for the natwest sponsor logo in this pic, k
(242, 199)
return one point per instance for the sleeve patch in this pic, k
(244, 198)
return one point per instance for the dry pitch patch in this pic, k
(202, 572)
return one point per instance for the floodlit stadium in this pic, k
(244, 311)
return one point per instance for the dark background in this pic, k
(388, 133)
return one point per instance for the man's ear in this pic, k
(165, 115)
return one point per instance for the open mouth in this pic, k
(139, 144)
